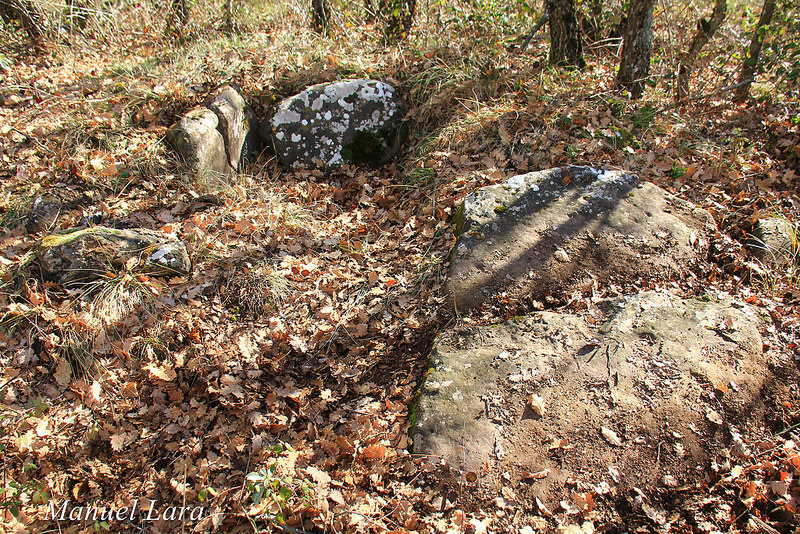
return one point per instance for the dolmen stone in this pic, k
(80, 255)
(331, 125)
(645, 377)
(196, 139)
(237, 124)
(549, 232)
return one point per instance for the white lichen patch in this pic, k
(285, 116)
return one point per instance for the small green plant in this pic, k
(420, 176)
(14, 492)
(117, 295)
(643, 117)
(276, 494)
(76, 348)
(15, 210)
(676, 171)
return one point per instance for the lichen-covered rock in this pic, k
(196, 138)
(551, 231)
(776, 242)
(237, 124)
(43, 214)
(646, 367)
(331, 125)
(81, 255)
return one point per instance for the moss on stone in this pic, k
(366, 147)
(458, 219)
(68, 236)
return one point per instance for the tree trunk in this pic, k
(565, 35)
(230, 17)
(751, 58)
(399, 15)
(705, 31)
(636, 47)
(320, 15)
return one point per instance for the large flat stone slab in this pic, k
(548, 231)
(662, 373)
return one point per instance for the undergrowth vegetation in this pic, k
(314, 298)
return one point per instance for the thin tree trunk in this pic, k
(566, 48)
(636, 47)
(370, 15)
(399, 15)
(178, 16)
(320, 13)
(592, 24)
(751, 59)
(705, 31)
(533, 32)
(230, 17)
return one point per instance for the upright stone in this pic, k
(196, 139)
(552, 231)
(331, 125)
(237, 124)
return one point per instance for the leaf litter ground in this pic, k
(292, 411)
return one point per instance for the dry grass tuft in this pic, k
(255, 288)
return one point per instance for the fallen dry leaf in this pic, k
(611, 437)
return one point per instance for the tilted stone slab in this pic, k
(196, 138)
(652, 371)
(331, 125)
(547, 231)
(237, 124)
(84, 254)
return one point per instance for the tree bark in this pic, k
(566, 48)
(705, 31)
(320, 15)
(750, 62)
(636, 47)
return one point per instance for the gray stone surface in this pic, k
(648, 368)
(80, 255)
(196, 139)
(237, 124)
(776, 242)
(43, 214)
(330, 125)
(550, 231)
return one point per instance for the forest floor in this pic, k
(292, 412)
